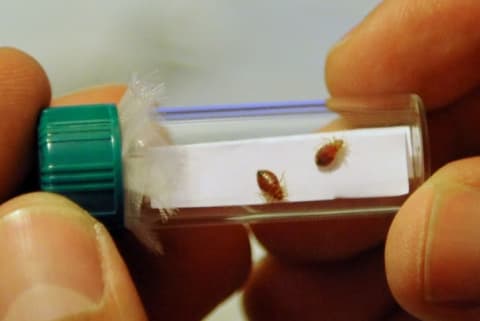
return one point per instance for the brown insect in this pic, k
(328, 153)
(270, 186)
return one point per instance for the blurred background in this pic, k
(207, 51)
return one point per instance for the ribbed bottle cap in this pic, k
(80, 157)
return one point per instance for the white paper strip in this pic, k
(224, 173)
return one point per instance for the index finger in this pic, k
(425, 47)
(24, 91)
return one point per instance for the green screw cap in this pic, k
(80, 157)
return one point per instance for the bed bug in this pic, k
(328, 153)
(270, 186)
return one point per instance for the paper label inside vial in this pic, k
(375, 164)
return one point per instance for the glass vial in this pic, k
(289, 160)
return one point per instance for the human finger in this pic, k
(200, 266)
(24, 91)
(347, 290)
(111, 93)
(432, 257)
(60, 263)
(407, 46)
(403, 46)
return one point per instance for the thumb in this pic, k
(433, 247)
(58, 263)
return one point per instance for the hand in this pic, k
(334, 270)
(58, 263)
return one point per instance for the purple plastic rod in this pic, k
(241, 110)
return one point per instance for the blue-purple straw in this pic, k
(241, 110)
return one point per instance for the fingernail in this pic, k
(452, 251)
(51, 265)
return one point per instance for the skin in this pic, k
(170, 287)
(422, 266)
(428, 251)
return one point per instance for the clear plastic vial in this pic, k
(287, 161)
(223, 164)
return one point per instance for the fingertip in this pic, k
(376, 57)
(120, 300)
(339, 63)
(24, 91)
(432, 259)
(404, 248)
(406, 47)
(75, 262)
(22, 77)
